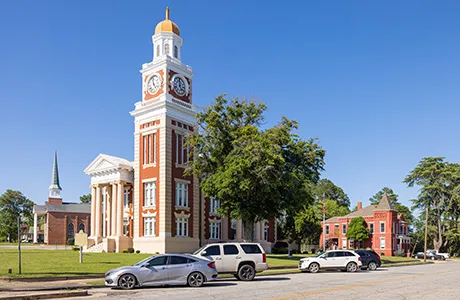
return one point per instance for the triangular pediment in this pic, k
(105, 162)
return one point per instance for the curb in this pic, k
(47, 296)
(50, 278)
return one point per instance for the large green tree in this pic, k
(257, 174)
(437, 180)
(357, 229)
(327, 190)
(393, 197)
(12, 205)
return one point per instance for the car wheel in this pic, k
(246, 273)
(433, 258)
(127, 282)
(372, 266)
(196, 279)
(236, 276)
(313, 268)
(352, 267)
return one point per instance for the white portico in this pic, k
(111, 203)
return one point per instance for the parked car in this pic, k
(370, 259)
(344, 260)
(170, 269)
(242, 260)
(429, 255)
(445, 255)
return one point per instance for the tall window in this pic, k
(371, 228)
(266, 233)
(150, 144)
(214, 204)
(214, 231)
(125, 226)
(327, 229)
(70, 230)
(181, 195)
(344, 243)
(150, 193)
(382, 243)
(149, 226)
(344, 228)
(401, 229)
(382, 227)
(176, 52)
(126, 199)
(182, 227)
(81, 227)
(158, 50)
(182, 151)
(167, 49)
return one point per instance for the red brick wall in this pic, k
(57, 225)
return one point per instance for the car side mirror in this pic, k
(144, 265)
(204, 253)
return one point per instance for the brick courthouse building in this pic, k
(388, 230)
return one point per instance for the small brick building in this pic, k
(388, 230)
(62, 219)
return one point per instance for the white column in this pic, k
(104, 215)
(108, 200)
(113, 230)
(239, 230)
(120, 194)
(98, 216)
(93, 210)
(257, 231)
(35, 228)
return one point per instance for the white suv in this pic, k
(242, 260)
(338, 259)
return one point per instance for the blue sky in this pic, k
(377, 83)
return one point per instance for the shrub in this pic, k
(125, 251)
(76, 248)
(280, 251)
(138, 251)
(70, 241)
(281, 245)
(130, 250)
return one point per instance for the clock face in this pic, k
(154, 84)
(179, 86)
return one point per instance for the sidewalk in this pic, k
(21, 286)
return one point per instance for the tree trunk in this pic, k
(437, 243)
(248, 231)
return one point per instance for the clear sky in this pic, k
(377, 83)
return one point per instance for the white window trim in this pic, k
(180, 222)
(213, 206)
(183, 190)
(214, 225)
(153, 223)
(344, 224)
(380, 227)
(154, 184)
(126, 201)
(384, 243)
(344, 243)
(327, 231)
(373, 229)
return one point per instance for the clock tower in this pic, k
(165, 201)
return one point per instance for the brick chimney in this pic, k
(359, 206)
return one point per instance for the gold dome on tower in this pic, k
(167, 25)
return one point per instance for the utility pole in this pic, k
(19, 245)
(426, 233)
(324, 225)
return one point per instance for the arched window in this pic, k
(167, 49)
(81, 227)
(158, 51)
(176, 52)
(70, 230)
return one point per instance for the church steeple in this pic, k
(55, 189)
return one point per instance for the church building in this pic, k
(148, 203)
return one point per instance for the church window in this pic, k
(176, 52)
(70, 230)
(167, 49)
(81, 227)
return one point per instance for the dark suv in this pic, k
(370, 259)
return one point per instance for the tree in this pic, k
(393, 197)
(12, 205)
(357, 229)
(85, 198)
(436, 179)
(327, 190)
(256, 174)
(374, 200)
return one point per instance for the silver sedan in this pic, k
(168, 269)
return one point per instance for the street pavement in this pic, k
(422, 282)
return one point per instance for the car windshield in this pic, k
(143, 261)
(199, 250)
(319, 254)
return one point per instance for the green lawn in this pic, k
(65, 263)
